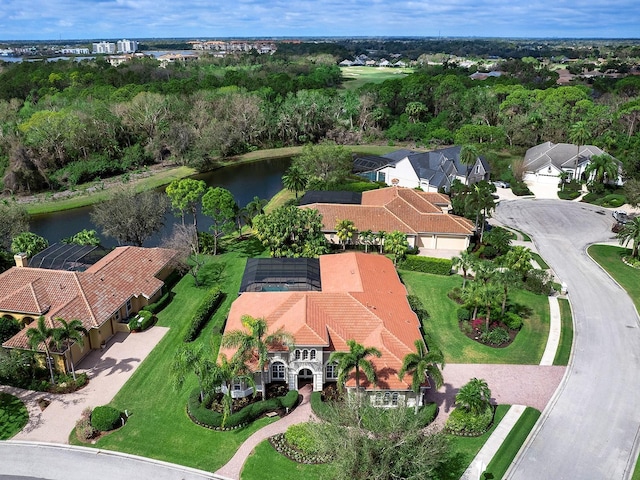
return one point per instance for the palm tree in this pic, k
(367, 238)
(472, 296)
(295, 179)
(421, 364)
(254, 208)
(474, 396)
(602, 167)
(480, 200)
(380, 236)
(192, 360)
(468, 157)
(66, 335)
(630, 233)
(355, 358)
(42, 335)
(505, 278)
(487, 294)
(563, 176)
(396, 243)
(346, 231)
(254, 342)
(579, 134)
(466, 262)
(224, 373)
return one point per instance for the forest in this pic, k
(68, 122)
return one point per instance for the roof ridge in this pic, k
(84, 298)
(35, 296)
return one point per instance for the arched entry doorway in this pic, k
(305, 377)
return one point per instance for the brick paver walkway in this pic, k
(301, 414)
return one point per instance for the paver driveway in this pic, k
(590, 429)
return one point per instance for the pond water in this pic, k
(244, 181)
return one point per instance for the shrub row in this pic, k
(159, 304)
(520, 189)
(106, 418)
(200, 414)
(205, 310)
(427, 414)
(416, 305)
(436, 266)
(142, 321)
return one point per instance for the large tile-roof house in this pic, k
(108, 291)
(420, 215)
(431, 171)
(362, 299)
(545, 162)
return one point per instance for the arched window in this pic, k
(305, 354)
(296, 355)
(394, 398)
(312, 355)
(277, 371)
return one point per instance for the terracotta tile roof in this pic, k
(395, 208)
(92, 296)
(362, 299)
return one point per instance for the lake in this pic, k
(244, 181)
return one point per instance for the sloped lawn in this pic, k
(13, 416)
(444, 333)
(158, 426)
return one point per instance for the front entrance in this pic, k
(305, 377)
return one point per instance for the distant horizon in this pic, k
(319, 38)
(48, 20)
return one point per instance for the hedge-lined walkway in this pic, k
(301, 414)
(107, 369)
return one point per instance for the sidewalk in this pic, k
(491, 446)
(301, 414)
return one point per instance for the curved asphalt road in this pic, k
(590, 429)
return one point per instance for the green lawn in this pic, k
(356, 77)
(265, 463)
(540, 261)
(509, 449)
(442, 325)
(566, 334)
(158, 426)
(610, 258)
(13, 416)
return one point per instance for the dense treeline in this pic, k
(62, 123)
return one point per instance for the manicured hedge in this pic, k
(106, 418)
(157, 306)
(142, 321)
(210, 419)
(436, 266)
(206, 309)
(427, 414)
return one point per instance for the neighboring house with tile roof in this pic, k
(422, 216)
(545, 162)
(431, 171)
(362, 299)
(101, 297)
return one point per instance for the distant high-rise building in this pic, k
(127, 46)
(104, 47)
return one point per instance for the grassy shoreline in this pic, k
(96, 191)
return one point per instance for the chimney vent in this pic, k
(21, 259)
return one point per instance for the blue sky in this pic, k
(97, 19)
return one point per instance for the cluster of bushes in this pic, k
(66, 384)
(84, 430)
(520, 189)
(570, 190)
(611, 200)
(205, 417)
(95, 167)
(539, 282)
(495, 336)
(204, 312)
(436, 266)
(299, 445)
(465, 423)
(9, 326)
(320, 408)
(142, 321)
(416, 305)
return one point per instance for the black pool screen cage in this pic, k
(281, 275)
(331, 196)
(68, 256)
